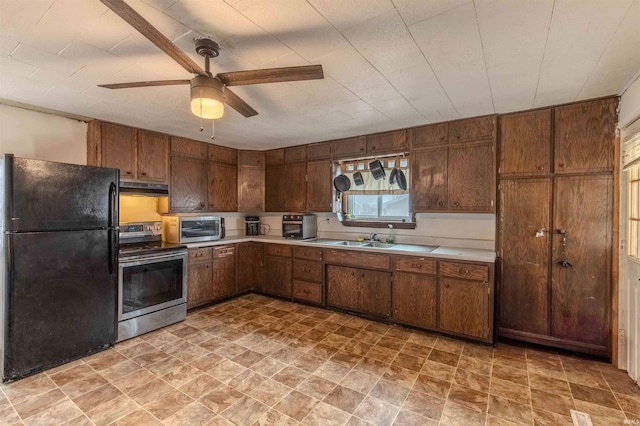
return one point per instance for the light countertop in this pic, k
(452, 253)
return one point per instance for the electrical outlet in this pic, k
(621, 332)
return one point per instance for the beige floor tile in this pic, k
(97, 397)
(220, 398)
(112, 410)
(344, 398)
(296, 405)
(455, 414)
(408, 418)
(377, 411)
(359, 381)
(326, 415)
(55, 415)
(270, 392)
(472, 380)
(510, 410)
(245, 411)
(168, 404)
(194, 414)
(391, 392)
(137, 418)
(424, 405)
(40, 402)
(316, 387)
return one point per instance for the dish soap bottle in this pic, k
(390, 239)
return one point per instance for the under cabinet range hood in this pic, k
(141, 188)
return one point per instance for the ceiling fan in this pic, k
(208, 93)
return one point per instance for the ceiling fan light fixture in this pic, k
(207, 97)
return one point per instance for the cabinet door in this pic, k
(471, 176)
(525, 208)
(388, 142)
(428, 189)
(525, 143)
(188, 148)
(222, 154)
(295, 198)
(414, 299)
(585, 136)
(223, 187)
(274, 188)
(251, 158)
(277, 275)
(581, 292)
(464, 307)
(188, 191)
(349, 148)
(318, 151)
(199, 288)
(250, 266)
(119, 149)
(250, 189)
(319, 185)
(472, 129)
(295, 154)
(153, 156)
(224, 277)
(425, 136)
(359, 290)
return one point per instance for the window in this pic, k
(634, 211)
(376, 200)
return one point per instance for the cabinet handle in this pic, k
(541, 168)
(463, 271)
(143, 174)
(446, 286)
(128, 173)
(458, 136)
(440, 203)
(457, 204)
(441, 138)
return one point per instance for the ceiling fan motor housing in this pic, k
(207, 97)
(207, 47)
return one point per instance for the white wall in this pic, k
(630, 104)
(32, 134)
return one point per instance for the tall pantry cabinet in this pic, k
(555, 226)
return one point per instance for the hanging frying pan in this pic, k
(342, 183)
(376, 169)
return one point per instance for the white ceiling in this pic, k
(388, 64)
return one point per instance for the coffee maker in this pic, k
(252, 225)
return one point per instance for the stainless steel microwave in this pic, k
(299, 227)
(192, 229)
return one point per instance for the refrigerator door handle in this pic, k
(113, 230)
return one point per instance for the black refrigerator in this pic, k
(59, 263)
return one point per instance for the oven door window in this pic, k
(148, 287)
(200, 228)
(292, 230)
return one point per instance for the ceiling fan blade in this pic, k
(144, 84)
(143, 26)
(271, 75)
(238, 104)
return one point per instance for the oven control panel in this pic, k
(140, 229)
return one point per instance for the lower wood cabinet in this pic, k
(250, 266)
(415, 292)
(307, 274)
(211, 274)
(277, 270)
(359, 290)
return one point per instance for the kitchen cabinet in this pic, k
(189, 148)
(349, 148)
(251, 176)
(200, 277)
(189, 190)
(583, 135)
(459, 178)
(295, 154)
(212, 274)
(295, 198)
(428, 136)
(277, 270)
(274, 188)
(307, 274)
(465, 299)
(360, 290)
(319, 186)
(223, 187)
(525, 143)
(471, 177)
(319, 151)
(223, 267)
(555, 235)
(472, 129)
(141, 155)
(250, 266)
(415, 292)
(387, 143)
(222, 154)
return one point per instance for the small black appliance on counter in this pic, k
(299, 227)
(252, 225)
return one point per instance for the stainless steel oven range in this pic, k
(152, 280)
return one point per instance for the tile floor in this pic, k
(257, 361)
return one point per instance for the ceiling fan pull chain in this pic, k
(201, 126)
(213, 128)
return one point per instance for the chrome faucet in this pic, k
(372, 237)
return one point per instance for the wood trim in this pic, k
(94, 143)
(615, 253)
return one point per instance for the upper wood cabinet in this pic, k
(319, 151)
(189, 148)
(222, 154)
(472, 129)
(274, 188)
(387, 143)
(349, 147)
(274, 157)
(189, 184)
(425, 136)
(295, 154)
(251, 178)
(583, 135)
(141, 155)
(525, 143)
(295, 199)
(471, 177)
(428, 189)
(223, 187)
(319, 186)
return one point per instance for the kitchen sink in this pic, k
(378, 244)
(351, 244)
(375, 244)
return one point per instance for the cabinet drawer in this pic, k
(472, 129)
(418, 265)
(199, 255)
(277, 250)
(307, 270)
(348, 257)
(464, 270)
(311, 292)
(307, 253)
(223, 251)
